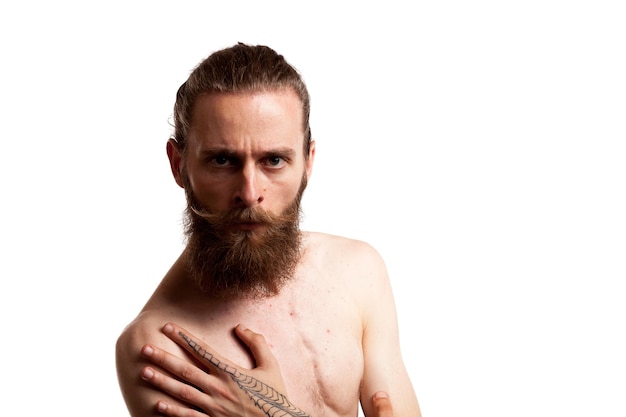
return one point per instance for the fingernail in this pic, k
(147, 373)
(147, 351)
(161, 406)
(168, 328)
(380, 395)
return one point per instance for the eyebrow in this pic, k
(284, 152)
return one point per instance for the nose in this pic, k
(250, 190)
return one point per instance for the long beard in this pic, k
(225, 262)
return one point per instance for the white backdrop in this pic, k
(478, 145)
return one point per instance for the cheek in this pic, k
(208, 192)
(286, 192)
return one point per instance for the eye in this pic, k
(275, 161)
(221, 161)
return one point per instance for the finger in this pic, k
(174, 410)
(176, 389)
(257, 344)
(177, 366)
(382, 404)
(199, 349)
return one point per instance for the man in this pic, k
(243, 153)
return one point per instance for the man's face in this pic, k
(243, 173)
(246, 150)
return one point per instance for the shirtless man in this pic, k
(243, 153)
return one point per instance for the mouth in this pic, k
(250, 226)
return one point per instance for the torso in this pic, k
(314, 326)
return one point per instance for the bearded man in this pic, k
(242, 151)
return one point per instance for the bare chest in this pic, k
(315, 337)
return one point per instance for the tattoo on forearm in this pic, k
(272, 402)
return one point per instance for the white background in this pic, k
(479, 145)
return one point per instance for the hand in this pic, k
(224, 389)
(382, 405)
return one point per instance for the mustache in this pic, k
(244, 215)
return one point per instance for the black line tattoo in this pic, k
(272, 402)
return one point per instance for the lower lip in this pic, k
(248, 226)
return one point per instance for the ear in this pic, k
(176, 161)
(309, 162)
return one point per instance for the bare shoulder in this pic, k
(339, 248)
(355, 261)
(160, 308)
(145, 329)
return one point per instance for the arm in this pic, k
(384, 368)
(139, 395)
(223, 388)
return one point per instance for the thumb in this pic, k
(257, 344)
(382, 405)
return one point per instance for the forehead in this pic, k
(245, 119)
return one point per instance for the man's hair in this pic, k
(239, 69)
